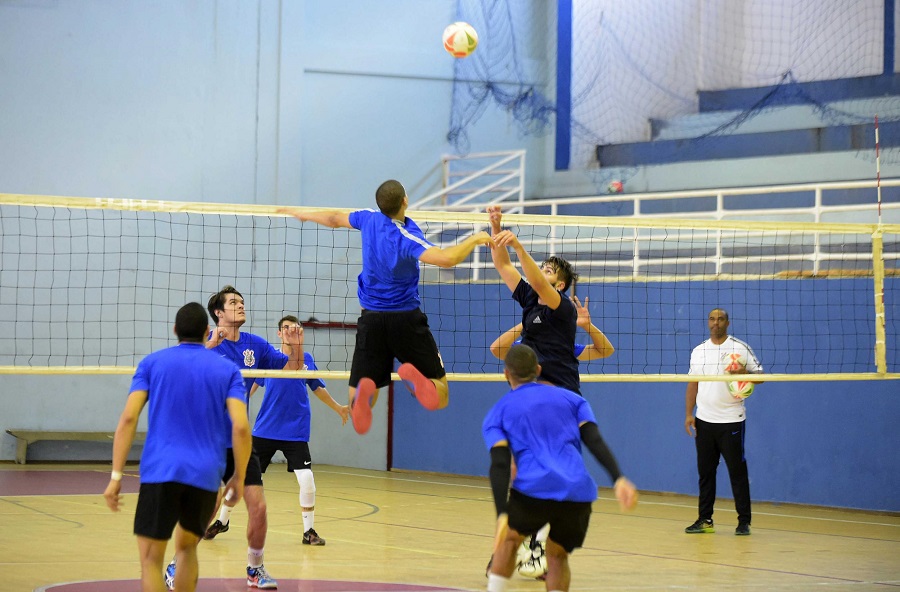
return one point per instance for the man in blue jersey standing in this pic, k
(248, 351)
(391, 324)
(192, 394)
(549, 322)
(543, 428)
(283, 424)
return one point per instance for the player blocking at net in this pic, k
(392, 324)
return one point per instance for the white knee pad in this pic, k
(307, 487)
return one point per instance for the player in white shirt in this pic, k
(718, 425)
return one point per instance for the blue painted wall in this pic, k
(827, 443)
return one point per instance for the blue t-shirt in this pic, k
(284, 413)
(251, 352)
(189, 427)
(389, 280)
(551, 334)
(541, 424)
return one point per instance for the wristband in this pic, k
(116, 475)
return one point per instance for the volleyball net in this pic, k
(90, 286)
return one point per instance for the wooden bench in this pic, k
(26, 437)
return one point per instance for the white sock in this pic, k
(225, 514)
(497, 583)
(543, 533)
(309, 519)
(307, 496)
(254, 557)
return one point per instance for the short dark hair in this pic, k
(724, 312)
(522, 363)
(191, 322)
(389, 197)
(288, 318)
(564, 270)
(217, 301)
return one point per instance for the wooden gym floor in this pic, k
(411, 531)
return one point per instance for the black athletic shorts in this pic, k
(383, 336)
(254, 473)
(568, 520)
(161, 506)
(296, 453)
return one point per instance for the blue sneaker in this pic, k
(259, 578)
(170, 575)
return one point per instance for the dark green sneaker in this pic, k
(701, 527)
(743, 529)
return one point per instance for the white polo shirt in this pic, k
(714, 403)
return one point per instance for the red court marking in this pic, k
(233, 585)
(61, 482)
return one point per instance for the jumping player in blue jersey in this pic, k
(543, 427)
(198, 409)
(283, 423)
(391, 324)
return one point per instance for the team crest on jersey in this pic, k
(249, 358)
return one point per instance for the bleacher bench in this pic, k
(26, 437)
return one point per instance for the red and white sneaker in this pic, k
(420, 386)
(361, 408)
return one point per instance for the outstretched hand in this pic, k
(483, 238)
(293, 335)
(495, 217)
(584, 315)
(505, 238)
(291, 212)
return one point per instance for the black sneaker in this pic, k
(215, 528)
(702, 527)
(311, 537)
(743, 529)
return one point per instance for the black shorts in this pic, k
(383, 336)
(296, 453)
(254, 473)
(161, 506)
(568, 520)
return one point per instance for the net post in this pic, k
(878, 269)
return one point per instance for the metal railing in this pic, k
(823, 204)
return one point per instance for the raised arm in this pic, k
(293, 336)
(501, 345)
(500, 255)
(600, 346)
(530, 268)
(456, 254)
(329, 218)
(342, 410)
